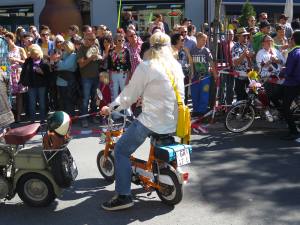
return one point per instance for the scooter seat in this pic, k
(20, 135)
(163, 139)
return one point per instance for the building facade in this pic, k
(96, 12)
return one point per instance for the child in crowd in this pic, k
(202, 62)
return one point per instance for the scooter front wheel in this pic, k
(35, 190)
(106, 166)
(170, 194)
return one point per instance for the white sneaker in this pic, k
(269, 116)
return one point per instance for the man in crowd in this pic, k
(189, 43)
(36, 36)
(287, 26)
(252, 25)
(242, 56)
(265, 28)
(73, 32)
(89, 69)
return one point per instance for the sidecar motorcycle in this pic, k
(38, 172)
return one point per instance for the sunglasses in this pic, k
(45, 34)
(120, 40)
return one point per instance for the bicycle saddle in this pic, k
(20, 135)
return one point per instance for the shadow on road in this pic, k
(252, 170)
(85, 198)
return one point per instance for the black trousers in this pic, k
(289, 94)
(240, 89)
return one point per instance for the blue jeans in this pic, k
(89, 87)
(118, 82)
(134, 136)
(37, 95)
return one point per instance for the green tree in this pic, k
(247, 11)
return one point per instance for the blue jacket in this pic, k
(68, 63)
(292, 72)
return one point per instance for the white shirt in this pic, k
(160, 107)
(264, 56)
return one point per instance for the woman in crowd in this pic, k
(270, 61)
(35, 74)
(55, 55)
(280, 41)
(183, 57)
(118, 65)
(17, 56)
(66, 81)
(19, 32)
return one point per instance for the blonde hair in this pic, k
(36, 49)
(11, 36)
(69, 46)
(160, 51)
(200, 35)
(159, 45)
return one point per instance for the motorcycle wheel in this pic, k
(106, 166)
(61, 165)
(170, 194)
(239, 118)
(35, 190)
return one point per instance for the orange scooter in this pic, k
(162, 172)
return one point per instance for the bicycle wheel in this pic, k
(240, 117)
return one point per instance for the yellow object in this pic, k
(183, 129)
(253, 75)
(206, 88)
(3, 68)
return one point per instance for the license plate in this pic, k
(183, 157)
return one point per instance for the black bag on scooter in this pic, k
(62, 167)
(62, 164)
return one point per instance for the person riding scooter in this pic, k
(159, 111)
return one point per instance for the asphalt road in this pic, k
(235, 179)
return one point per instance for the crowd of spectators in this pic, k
(62, 71)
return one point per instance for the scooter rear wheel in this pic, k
(35, 190)
(106, 166)
(170, 194)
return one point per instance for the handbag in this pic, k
(183, 129)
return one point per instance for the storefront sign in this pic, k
(175, 13)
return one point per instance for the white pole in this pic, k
(288, 10)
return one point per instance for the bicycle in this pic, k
(162, 172)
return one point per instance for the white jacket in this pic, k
(160, 108)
